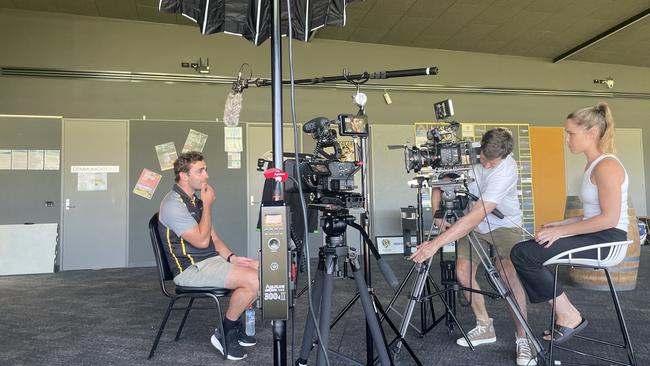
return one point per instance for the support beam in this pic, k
(603, 35)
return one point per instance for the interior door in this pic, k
(95, 194)
(259, 145)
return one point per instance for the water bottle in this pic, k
(250, 321)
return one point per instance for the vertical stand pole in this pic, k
(279, 326)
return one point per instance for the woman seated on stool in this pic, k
(604, 202)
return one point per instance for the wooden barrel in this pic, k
(624, 275)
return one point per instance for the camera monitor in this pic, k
(444, 109)
(353, 125)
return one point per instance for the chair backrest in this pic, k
(164, 272)
(616, 254)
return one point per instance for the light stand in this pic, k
(279, 325)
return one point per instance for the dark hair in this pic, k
(600, 117)
(184, 162)
(497, 143)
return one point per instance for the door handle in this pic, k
(253, 202)
(68, 205)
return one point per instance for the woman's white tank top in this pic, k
(589, 194)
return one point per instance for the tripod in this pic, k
(423, 280)
(329, 255)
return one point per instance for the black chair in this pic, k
(165, 274)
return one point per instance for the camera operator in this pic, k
(495, 183)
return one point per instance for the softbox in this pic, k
(251, 19)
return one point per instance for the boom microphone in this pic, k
(232, 109)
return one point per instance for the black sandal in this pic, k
(563, 334)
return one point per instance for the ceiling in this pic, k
(532, 28)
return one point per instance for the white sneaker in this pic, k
(525, 355)
(483, 333)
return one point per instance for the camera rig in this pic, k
(442, 151)
(323, 174)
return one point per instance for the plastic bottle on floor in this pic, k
(250, 321)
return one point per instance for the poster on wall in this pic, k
(166, 155)
(347, 151)
(195, 141)
(5, 159)
(51, 159)
(147, 183)
(87, 182)
(233, 139)
(35, 160)
(234, 160)
(19, 159)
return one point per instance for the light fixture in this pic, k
(387, 97)
(200, 67)
(609, 82)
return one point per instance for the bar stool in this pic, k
(613, 257)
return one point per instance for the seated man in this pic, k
(495, 182)
(198, 257)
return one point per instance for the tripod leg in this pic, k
(308, 335)
(325, 309)
(392, 326)
(414, 296)
(449, 312)
(398, 292)
(369, 310)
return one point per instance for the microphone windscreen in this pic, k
(232, 109)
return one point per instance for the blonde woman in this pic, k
(589, 131)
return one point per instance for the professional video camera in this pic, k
(324, 174)
(443, 151)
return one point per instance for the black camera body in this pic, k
(444, 155)
(323, 174)
(442, 151)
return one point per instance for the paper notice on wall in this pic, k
(195, 141)
(234, 160)
(19, 159)
(5, 159)
(233, 139)
(166, 155)
(92, 181)
(147, 183)
(467, 131)
(51, 159)
(35, 160)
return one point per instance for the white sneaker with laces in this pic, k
(525, 355)
(483, 333)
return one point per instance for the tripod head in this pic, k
(334, 225)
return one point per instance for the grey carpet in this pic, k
(110, 317)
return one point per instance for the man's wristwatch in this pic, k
(230, 256)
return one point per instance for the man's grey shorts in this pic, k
(210, 272)
(503, 239)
